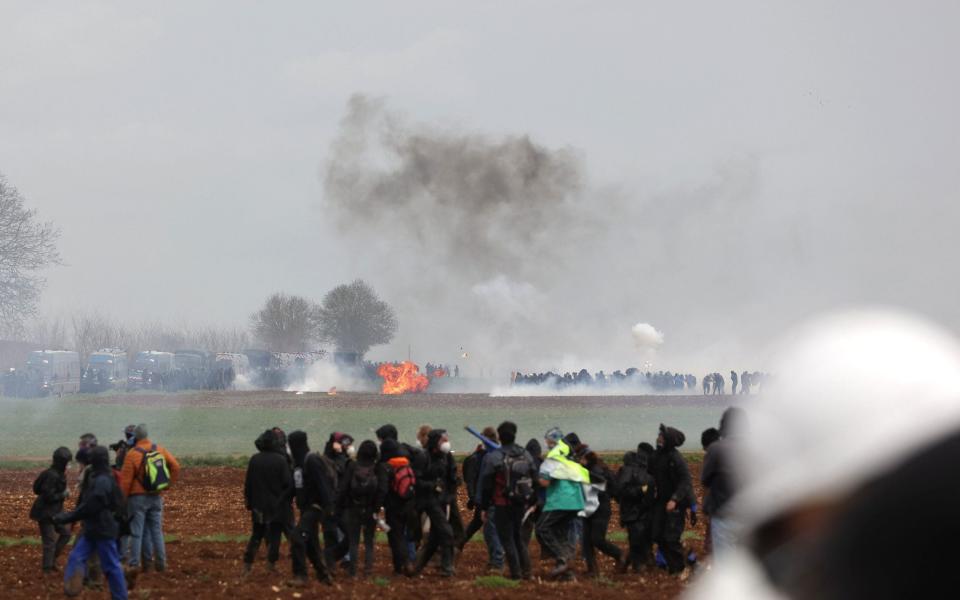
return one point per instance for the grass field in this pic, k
(226, 423)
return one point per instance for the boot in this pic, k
(446, 561)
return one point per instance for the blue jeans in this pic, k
(146, 528)
(109, 563)
(492, 540)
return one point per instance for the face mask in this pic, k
(351, 452)
(445, 448)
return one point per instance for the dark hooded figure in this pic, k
(313, 499)
(335, 457)
(674, 496)
(595, 526)
(636, 493)
(50, 486)
(360, 499)
(529, 525)
(100, 507)
(399, 502)
(436, 482)
(267, 491)
(507, 486)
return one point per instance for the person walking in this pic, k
(98, 508)
(435, 481)
(360, 498)
(507, 491)
(595, 525)
(50, 487)
(674, 495)
(399, 501)
(563, 479)
(636, 493)
(148, 471)
(267, 489)
(314, 499)
(471, 477)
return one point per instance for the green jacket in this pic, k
(566, 480)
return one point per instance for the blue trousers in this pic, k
(109, 563)
(146, 528)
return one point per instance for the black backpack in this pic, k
(363, 484)
(518, 484)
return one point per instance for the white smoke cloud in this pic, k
(323, 376)
(646, 336)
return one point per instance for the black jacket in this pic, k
(268, 486)
(436, 473)
(492, 478)
(471, 472)
(50, 486)
(636, 490)
(670, 471)
(319, 484)
(101, 502)
(602, 474)
(347, 496)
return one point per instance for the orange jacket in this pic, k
(130, 474)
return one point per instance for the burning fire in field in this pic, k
(401, 378)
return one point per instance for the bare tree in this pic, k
(26, 247)
(354, 318)
(285, 323)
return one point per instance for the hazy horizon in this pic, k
(522, 183)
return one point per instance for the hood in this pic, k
(100, 458)
(433, 438)
(367, 452)
(298, 446)
(630, 459)
(389, 449)
(672, 438)
(387, 432)
(534, 448)
(266, 442)
(61, 457)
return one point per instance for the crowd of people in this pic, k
(554, 489)
(119, 503)
(660, 381)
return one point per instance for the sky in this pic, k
(733, 167)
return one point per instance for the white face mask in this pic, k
(445, 448)
(351, 452)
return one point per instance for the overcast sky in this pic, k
(777, 158)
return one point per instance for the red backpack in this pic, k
(402, 479)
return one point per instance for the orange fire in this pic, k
(400, 378)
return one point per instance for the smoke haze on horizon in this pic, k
(719, 172)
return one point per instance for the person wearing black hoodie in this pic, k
(360, 498)
(335, 457)
(595, 526)
(313, 499)
(674, 496)
(508, 484)
(471, 476)
(50, 486)
(267, 490)
(99, 506)
(636, 493)
(399, 501)
(529, 525)
(436, 485)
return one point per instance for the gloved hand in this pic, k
(59, 519)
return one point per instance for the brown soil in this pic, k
(208, 501)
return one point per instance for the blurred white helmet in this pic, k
(853, 395)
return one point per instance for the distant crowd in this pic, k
(660, 381)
